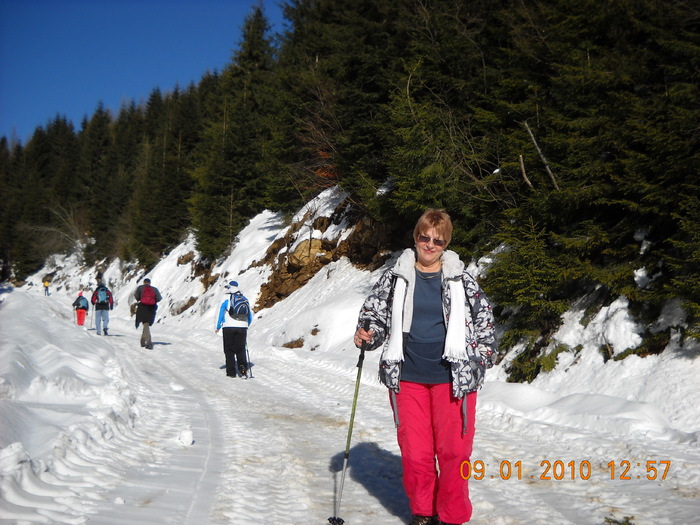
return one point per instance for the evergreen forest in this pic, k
(562, 136)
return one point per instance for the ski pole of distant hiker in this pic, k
(335, 520)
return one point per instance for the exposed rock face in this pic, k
(296, 260)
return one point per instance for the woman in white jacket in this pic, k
(234, 317)
(436, 330)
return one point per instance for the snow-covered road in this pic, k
(267, 448)
(205, 448)
(271, 448)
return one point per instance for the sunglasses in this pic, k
(437, 242)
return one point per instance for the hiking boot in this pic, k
(106, 332)
(423, 520)
(242, 371)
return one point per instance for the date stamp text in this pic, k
(566, 470)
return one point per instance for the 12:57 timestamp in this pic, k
(625, 470)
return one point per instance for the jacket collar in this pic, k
(452, 266)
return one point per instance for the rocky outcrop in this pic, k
(295, 260)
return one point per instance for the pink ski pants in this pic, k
(430, 429)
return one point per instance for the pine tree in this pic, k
(94, 175)
(229, 182)
(8, 214)
(340, 61)
(157, 212)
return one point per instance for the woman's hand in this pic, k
(361, 336)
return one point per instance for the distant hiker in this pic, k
(103, 301)
(235, 315)
(46, 287)
(148, 296)
(81, 306)
(437, 334)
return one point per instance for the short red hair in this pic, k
(437, 219)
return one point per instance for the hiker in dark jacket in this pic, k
(81, 307)
(103, 301)
(148, 297)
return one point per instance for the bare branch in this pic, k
(546, 164)
(522, 169)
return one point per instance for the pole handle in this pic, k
(363, 347)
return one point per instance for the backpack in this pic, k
(83, 303)
(148, 295)
(102, 297)
(238, 307)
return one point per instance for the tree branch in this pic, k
(522, 169)
(546, 164)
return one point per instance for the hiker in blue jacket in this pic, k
(103, 301)
(235, 315)
(81, 307)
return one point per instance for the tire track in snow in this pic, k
(258, 449)
(317, 395)
(169, 406)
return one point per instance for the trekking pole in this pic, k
(335, 520)
(249, 371)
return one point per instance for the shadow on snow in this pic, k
(378, 471)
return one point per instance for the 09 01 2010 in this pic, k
(549, 470)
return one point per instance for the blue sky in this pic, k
(62, 57)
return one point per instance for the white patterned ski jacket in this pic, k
(480, 346)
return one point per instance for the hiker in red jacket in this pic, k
(148, 297)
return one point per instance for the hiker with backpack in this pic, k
(235, 315)
(81, 306)
(103, 301)
(148, 298)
